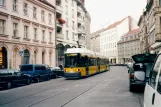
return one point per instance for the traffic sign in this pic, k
(21, 53)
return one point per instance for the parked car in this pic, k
(140, 69)
(12, 77)
(129, 64)
(58, 71)
(152, 93)
(53, 73)
(36, 71)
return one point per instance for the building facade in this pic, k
(95, 41)
(112, 35)
(88, 31)
(128, 46)
(150, 36)
(72, 27)
(27, 33)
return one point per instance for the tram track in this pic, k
(49, 88)
(54, 86)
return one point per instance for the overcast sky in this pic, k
(105, 12)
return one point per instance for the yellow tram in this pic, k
(81, 62)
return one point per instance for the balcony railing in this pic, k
(79, 9)
(79, 19)
(60, 36)
(59, 8)
(58, 23)
(80, 30)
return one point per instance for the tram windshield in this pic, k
(74, 60)
(71, 60)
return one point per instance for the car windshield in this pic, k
(144, 58)
(26, 68)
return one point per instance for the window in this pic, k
(15, 29)
(37, 68)
(35, 33)
(34, 12)
(43, 35)
(72, 13)
(2, 26)
(2, 3)
(50, 36)
(159, 2)
(42, 15)
(73, 25)
(25, 31)
(67, 35)
(159, 84)
(50, 18)
(154, 72)
(66, 22)
(73, 36)
(66, 9)
(25, 8)
(15, 6)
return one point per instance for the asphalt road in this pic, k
(109, 89)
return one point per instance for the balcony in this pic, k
(59, 24)
(79, 9)
(79, 19)
(59, 8)
(80, 30)
(59, 36)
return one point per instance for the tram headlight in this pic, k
(77, 70)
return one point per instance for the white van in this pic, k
(152, 95)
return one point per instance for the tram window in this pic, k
(86, 61)
(81, 62)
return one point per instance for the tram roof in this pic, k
(80, 50)
(84, 52)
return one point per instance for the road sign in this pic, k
(21, 53)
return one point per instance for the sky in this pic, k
(106, 12)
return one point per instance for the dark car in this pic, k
(53, 72)
(139, 70)
(58, 71)
(36, 71)
(12, 77)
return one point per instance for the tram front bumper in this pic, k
(72, 75)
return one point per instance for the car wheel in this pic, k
(28, 81)
(8, 85)
(131, 88)
(37, 79)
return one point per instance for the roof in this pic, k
(99, 31)
(132, 32)
(47, 3)
(116, 23)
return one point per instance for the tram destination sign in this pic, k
(71, 54)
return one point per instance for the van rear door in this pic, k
(152, 97)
